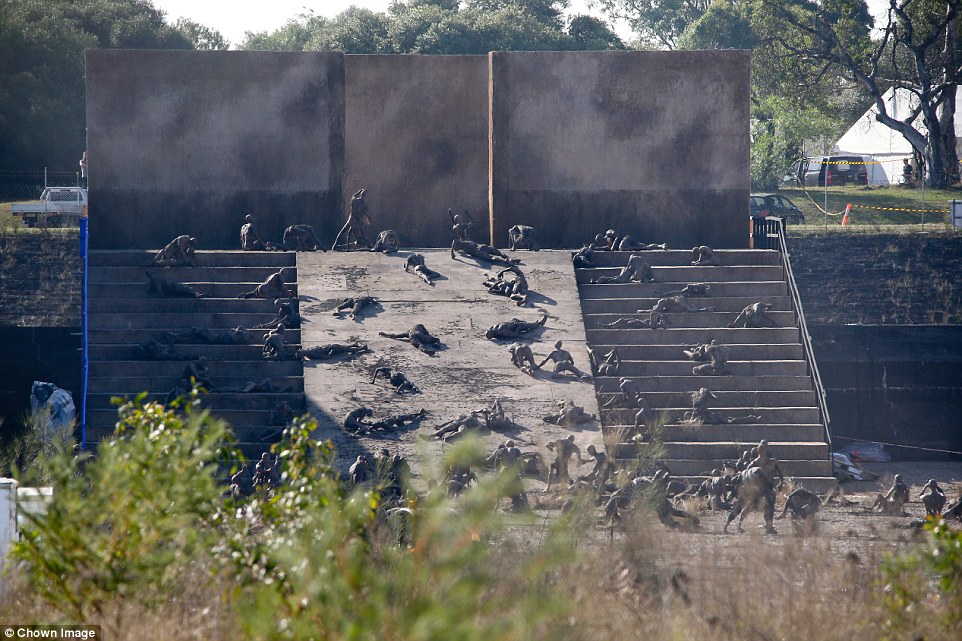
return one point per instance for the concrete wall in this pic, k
(189, 142)
(654, 144)
(895, 384)
(416, 137)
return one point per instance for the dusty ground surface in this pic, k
(468, 374)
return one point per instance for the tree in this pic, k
(293, 36)
(831, 38)
(201, 38)
(657, 22)
(725, 25)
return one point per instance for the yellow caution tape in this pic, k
(917, 211)
(854, 162)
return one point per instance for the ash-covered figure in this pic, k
(934, 501)
(355, 304)
(275, 347)
(360, 470)
(754, 315)
(460, 224)
(356, 422)
(563, 362)
(236, 336)
(357, 222)
(330, 350)
(177, 253)
(631, 395)
(523, 358)
(275, 286)
(564, 449)
(672, 304)
(627, 243)
(265, 386)
(198, 373)
(717, 355)
(637, 270)
(419, 337)
(302, 238)
(482, 252)
(416, 262)
(250, 240)
(286, 313)
(704, 256)
(699, 414)
(387, 242)
(522, 237)
(645, 420)
(154, 350)
(691, 290)
(606, 366)
(514, 328)
(719, 491)
(635, 323)
(475, 421)
(803, 504)
(168, 288)
(892, 502)
(515, 288)
(569, 415)
(398, 380)
(582, 257)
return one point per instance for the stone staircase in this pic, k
(769, 378)
(122, 316)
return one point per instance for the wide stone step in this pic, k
(732, 450)
(632, 369)
(238, 274)
(161, 321)
(690, 274)
(155, 305)
(692, 383)
(623, 306)
(821, 485)
(215, 402)
(683, 320)
(138, 291)
(698, 467)
(738, 433)
(238, 419)
(256, 369)
(133, 385)
(751, 398)
(748, 289)
(767, 415)
(202, 258)
(683, 257)
(740, 351)
(692, 336)
(136, 336)
(214, 353)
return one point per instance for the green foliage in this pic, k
(912, 601)
(134, 522)
(779, 127)
(725, 25)
(658, 23)
(200, 37)
(442, 27)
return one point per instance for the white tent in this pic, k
(870, 138)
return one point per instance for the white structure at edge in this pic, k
(870, 138)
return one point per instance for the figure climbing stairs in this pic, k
(769, 378)
(121, 316)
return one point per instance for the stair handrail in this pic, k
(789, 275)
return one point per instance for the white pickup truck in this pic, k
(58, 207)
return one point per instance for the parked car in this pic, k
(763, 205)
(837, 170)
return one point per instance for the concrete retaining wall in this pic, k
(895, 384)
(416, 137)
(189, 142)
(654, 144)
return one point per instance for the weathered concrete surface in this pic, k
(466, 376)
(189, 142)
(654, 144)
(416, 137)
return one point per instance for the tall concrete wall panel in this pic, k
(416, 138)
(189, 142)
(654, 144)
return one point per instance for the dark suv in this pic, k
(837, 170)
(763, 205)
